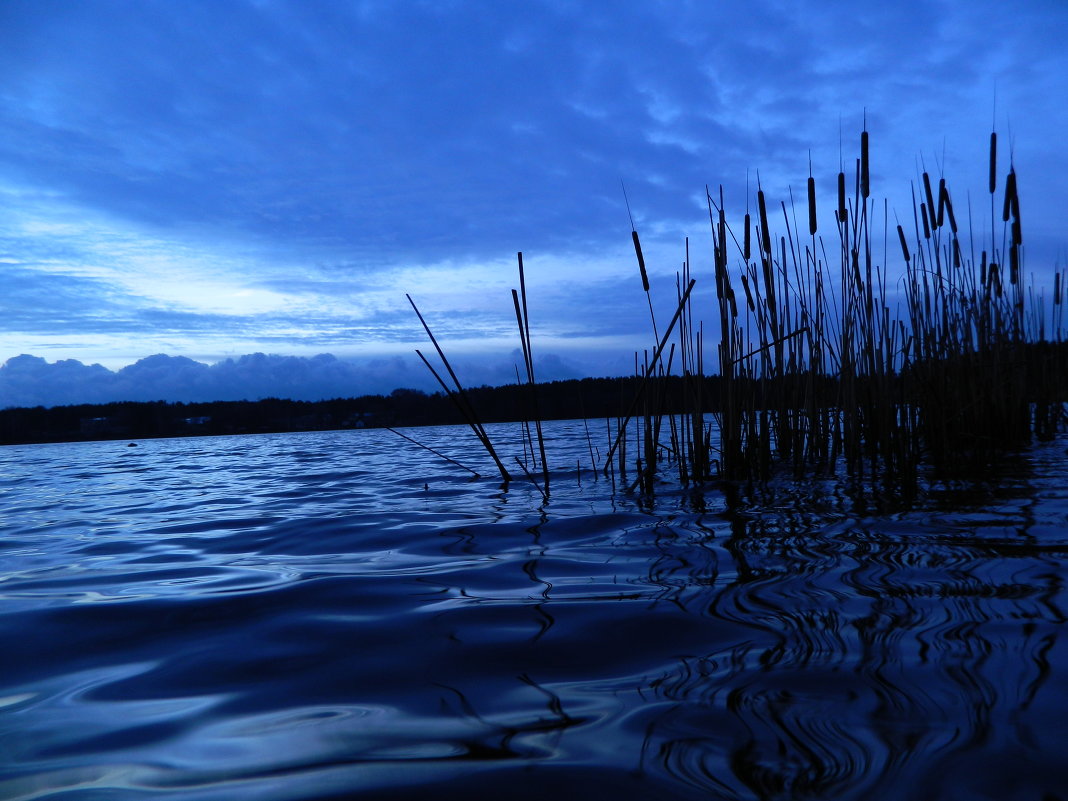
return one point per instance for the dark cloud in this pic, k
(425, 130)
(323, 151)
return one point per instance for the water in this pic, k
(344, 615)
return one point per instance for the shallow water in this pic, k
(344, 615)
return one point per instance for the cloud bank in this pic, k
(27, 381)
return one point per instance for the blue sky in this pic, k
(217, 178)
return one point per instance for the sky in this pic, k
(219, 199)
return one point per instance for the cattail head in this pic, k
(904, 244)
(864, 183)
(811, 206)
(942, 194)
(930, 200)
(641, 260)
(1010, 192)
(748, 294)
(722, 255)
(993, 161)
(765, 234)
(841, 198)
(948, 207)
(1017, 230)
(746, 251)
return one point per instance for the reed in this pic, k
(964, 372)
(519, 300)
(838, 350)
(458, 395)
(818, 375)
(439, 454)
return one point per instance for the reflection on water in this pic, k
(339, 615)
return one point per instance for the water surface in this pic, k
(344, 615)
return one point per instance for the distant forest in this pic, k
(558, 400)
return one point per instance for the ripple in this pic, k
(328, 615)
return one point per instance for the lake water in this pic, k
(344, 615)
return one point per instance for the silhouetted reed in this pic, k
(519, 300)
(458, 396)
(824, 365)
(811, 379)
(827, 363)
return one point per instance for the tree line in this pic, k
(557, 400)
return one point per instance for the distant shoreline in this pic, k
(129, 420)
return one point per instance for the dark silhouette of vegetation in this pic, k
(968, 360)
(557, 400)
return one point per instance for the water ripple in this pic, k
(339, 615)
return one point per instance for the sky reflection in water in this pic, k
(340, 614)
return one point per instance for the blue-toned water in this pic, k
(344, 615)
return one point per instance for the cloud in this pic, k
(219, 178)
(33, 381)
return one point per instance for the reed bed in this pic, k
(829, 362)
(820, 374)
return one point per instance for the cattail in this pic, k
(982, 270)
(993, 161)
(746, 252)
(811, 206)
(641, 260)
(749, 295)
(1017, 230)
(1010, 191)
(904, 244)
(942, 194)
(956, 249)
(926, 224)
(1057, 289)
(765, 235)
(841, 198)
(722, 254)
(930, 200)
(949, 207)
(864, 185)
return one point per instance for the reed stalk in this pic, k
(519, 300)
(459, 396)
(448, 459)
